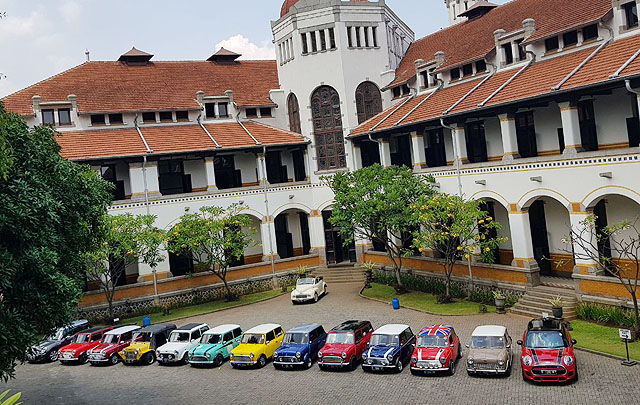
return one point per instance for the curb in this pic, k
(224, 309)
(603, 354)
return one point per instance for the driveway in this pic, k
(602, 380)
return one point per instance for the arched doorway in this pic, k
(335, 248)
(368, 101)
(327, 128)
(292, 233)
(294, 114)
(498, 212)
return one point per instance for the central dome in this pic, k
(286, 6)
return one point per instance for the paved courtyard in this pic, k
(602, 380)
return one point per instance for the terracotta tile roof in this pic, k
(114, 86)
(79, 145)
(106, 143)
(472, 40)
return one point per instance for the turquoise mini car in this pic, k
(215, 346)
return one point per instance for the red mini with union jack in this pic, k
(547, 352)
(437, 350)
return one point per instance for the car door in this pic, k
(271, 344)
(410, 340)
(455, 347)
(321, 339)
(227, 342)
(237, 337)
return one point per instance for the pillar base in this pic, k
(588, 270)
(320, 252)
(510, 157)
(267, 258)
(572, 151)
(141, 197)
(361, 250)
(212, 189)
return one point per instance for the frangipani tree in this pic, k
(454, 228)
(213, 238)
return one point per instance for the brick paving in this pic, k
(602, 380)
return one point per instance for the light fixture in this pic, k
(606, 175)
(536, 179)
(291, 196)
(186, 209)
(481, 182)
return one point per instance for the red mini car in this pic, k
(437, 350)
(345, 345)
(112, 342)
(547, 352)
(82, 342)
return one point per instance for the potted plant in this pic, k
(368, 271)
(500, 300)
(556, 307)
(302, 271)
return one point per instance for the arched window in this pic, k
(327, 128)
(294, 114)
(368, 101)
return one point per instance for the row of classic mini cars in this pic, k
(547, 348)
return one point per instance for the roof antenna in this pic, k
(87, 55)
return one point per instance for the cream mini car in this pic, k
(308, 289)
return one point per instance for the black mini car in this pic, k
(47, 350)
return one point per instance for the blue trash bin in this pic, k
(396, 303)
(146, 321)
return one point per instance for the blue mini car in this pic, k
(300, 346)
(390, 348)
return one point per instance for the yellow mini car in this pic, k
(257, 346)
(145, 342)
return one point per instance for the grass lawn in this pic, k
(603, 339)
(424, 301)
(204, 308)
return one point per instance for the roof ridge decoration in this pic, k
(135, 57)
(224, 55)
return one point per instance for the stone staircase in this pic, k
(536, 301)
(340, 274)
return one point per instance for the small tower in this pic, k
(457, 7)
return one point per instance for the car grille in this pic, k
(66, 356)
(485, 366)
(242, 359)
(428, 364)
(287, 359)
(131, 356)
(548, 370)
(301, 296)
(199, 358)
(332, 359)
(96, 357)
(374, 361)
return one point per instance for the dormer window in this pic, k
(210, 110)
(630, 14)
(48, 117)
(590, 33)
(425, 79)
(252, 113)
(97, 119)
(467, 70)
(551, 44)
(455, 74)
(396, 92)
(507, 50)
(64, 116)
(481, 66)
(182, 115)
(265, 112)
(522, 55)
(166, 116)
(569, 39)
(223, 111)
(149, 117)
(115, 119)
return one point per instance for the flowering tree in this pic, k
(454, 227)
(621, 259)
(374, 203)
(213, 238)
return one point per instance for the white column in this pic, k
(261, 173)
(371, 41)
(308, 41)
(521, 239)
(385, 153)
(417, 149)
(584, 263)
(163, 270)
(570, 127)
(460, 143)
(357, 157)
(137, 178)
(354, 34)
(307, 166)
(210, 174)
(317, 36)
(327, 38)
(316, 234)
(509, 137)
(268, 236)
(515, 51)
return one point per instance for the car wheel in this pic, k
(113, 360)
(309, 362)
(83, 358)
(353, 364)
(218, 360)
(459, 352)
(523, 376)
(315, 297)
(324, 292)
(575, 379)
(149, 358)
(399, 365)
(262, 361)
(53, 355)
(452, 367)
(414, 372)
(508, 373)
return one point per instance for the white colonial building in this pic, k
(530, 106)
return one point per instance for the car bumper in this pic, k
(288, 363)
(165, 360)
(429, 370)
(494, 371)
(31, 358)
(65, 358)
(300, 299)
(98, 359)
(243, 363)
(560, 378)
(333, 365)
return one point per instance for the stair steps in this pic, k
(536, 301)
(338, 275)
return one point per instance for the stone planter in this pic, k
(557, 312)
(500, 302)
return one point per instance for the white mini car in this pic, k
(308, 289)
(181, 340)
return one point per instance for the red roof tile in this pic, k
(114, 86)
(177, 138)
(101, 144)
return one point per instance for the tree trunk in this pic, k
(636, 329)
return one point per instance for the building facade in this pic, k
(530, 106)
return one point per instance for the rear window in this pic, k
(237, 332)
(228, 336)
(270, 336)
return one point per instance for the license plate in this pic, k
(377, 368)
(548, 372)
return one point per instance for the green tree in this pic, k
(50, 210)
(213, 238)
(373, 204)
(454, 228)
(124, 240)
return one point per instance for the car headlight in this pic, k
(136, 352)
(527, 361)
(414, 360)
(298, 355)
(252, 355)
(231, 356)
(501, 362)
(175, 352)
(275, 355)
(364, 356)
(73, 353)
(344, 355)
(442, 360)
(208, 355)
(319, 354)
(470, 361)
(390, 357)
(568, 360)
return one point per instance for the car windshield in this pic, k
(344, 338)
(211, 339)
(252, 339)
(82, 338)
(108, 339)
(545, 339)
(305, 281)
(384, 340)
(57, 335)
(142, 337)
(179, 337)
(433, 341)
(487, 342)
(296, 338)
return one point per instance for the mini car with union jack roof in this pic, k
(547, 352)
(437, 350)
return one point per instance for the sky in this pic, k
(40, 38)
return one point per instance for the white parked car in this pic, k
(308, 289)
(181, 340)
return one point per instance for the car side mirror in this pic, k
(519, 342)
(451, 345)
(573, 341)
(467, 346)
(508, 346)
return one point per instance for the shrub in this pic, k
(608, 314)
